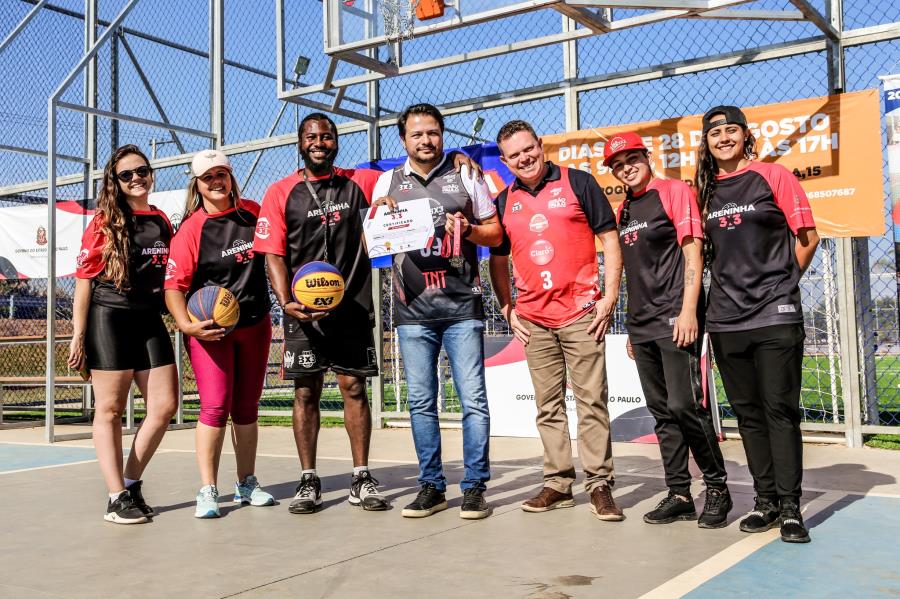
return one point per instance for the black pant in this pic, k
(670, 378)
(761, 372)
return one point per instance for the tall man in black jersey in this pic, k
(438, 303)
(314, 214)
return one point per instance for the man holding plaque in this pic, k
(552, 218)
(438, 303)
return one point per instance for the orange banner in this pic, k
(831, 144)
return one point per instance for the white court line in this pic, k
(690, 579)
(46, 467)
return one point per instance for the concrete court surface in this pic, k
(56, 544)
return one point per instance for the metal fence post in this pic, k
(373, 108)
(849, 342)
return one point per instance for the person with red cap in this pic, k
(761, 237)
(661, 238)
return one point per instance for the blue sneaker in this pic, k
(249, 492)
(207, 502)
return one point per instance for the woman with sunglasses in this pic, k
(661, 238)
(761, 238)
(214, 246)
(119, 335)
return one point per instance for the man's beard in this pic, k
(321, 166)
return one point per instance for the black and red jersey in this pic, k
(550, 232)
(292, 224)
(217, 249)
(752, 223)
(150, 234)
(659, 220)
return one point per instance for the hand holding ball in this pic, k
(318, 286)
(217, 304)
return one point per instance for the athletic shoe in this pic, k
(429, 501)
(763, 517)
(604, 506)
(474, 507)
(122, 510)
(548, 499)
(308, 497)
(364, 492)
(792, 528)
(207, 502)
(135, 490)
(674, 506)
(248, 492)
(715, 508)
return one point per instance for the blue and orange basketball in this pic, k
(318, 286)
(214, 303)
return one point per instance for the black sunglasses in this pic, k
(127, 176)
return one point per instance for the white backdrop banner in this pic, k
(511, 395)
(170, 202)
(24, 243)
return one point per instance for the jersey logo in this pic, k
(556, 203)
(241, 250)
(41, 236)
(159, 253)
(616, 144)
(449, 177)
(730, 216)
(306, 359)
(405, 186)
(171, 267)
(786, 309)
(79, 261)
(435, 279)
(288, 359)
(541, 252)
(629, 234)
(539, 223)
(516, 207)
(450, 188)
(262, 228)
(556, 191)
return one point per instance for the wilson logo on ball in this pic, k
(318, 286)
(217, 304)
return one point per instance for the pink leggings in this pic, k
(231, 373)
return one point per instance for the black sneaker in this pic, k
(792, 528)
(428, 501)
(135, 490)
(763, 517)
(364, 492)
(673, 507)
(715, 508)
(308, 497)
(474, 507)
(123, 510)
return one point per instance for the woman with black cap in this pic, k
(761, 237)
(661, 237)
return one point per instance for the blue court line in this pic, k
(853, 554)
(19, 457)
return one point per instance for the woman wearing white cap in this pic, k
(214, 246)
(661, 238)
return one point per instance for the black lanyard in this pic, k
(325, 208)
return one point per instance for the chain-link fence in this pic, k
(157, 67)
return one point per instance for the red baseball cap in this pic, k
(622, 142)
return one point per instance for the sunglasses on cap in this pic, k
(127, 176)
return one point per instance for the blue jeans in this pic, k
(420, 346)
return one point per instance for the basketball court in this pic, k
(56, 544)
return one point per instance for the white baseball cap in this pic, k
(207, 159)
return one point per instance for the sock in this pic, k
(358, 469)
(313, 472)
(129, 482)
(114, 496)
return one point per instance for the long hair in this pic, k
(705, 181)
(194, 200)
(116, 220)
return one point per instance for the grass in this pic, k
(884, 442)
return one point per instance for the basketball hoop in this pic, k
(399, 19)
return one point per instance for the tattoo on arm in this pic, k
(689, 276)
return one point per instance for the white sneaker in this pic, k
(364, 492)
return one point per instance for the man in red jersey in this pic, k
(551, 218)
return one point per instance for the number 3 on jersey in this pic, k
(548, 281)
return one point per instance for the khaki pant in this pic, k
(550, 353)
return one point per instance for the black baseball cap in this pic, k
(733, 116)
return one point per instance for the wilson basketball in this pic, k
(318, 286)
(217, 304)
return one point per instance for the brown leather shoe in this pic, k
(604, 506)
(548, 499)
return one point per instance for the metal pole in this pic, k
(179, 366)
(831, 317)
(90, 98)
(50, 367)
(217, 72)
(570, 73)
(114, 89)
(22, 24)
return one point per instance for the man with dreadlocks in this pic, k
(661, 238)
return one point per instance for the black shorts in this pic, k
(123, 339)
(346, 346)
